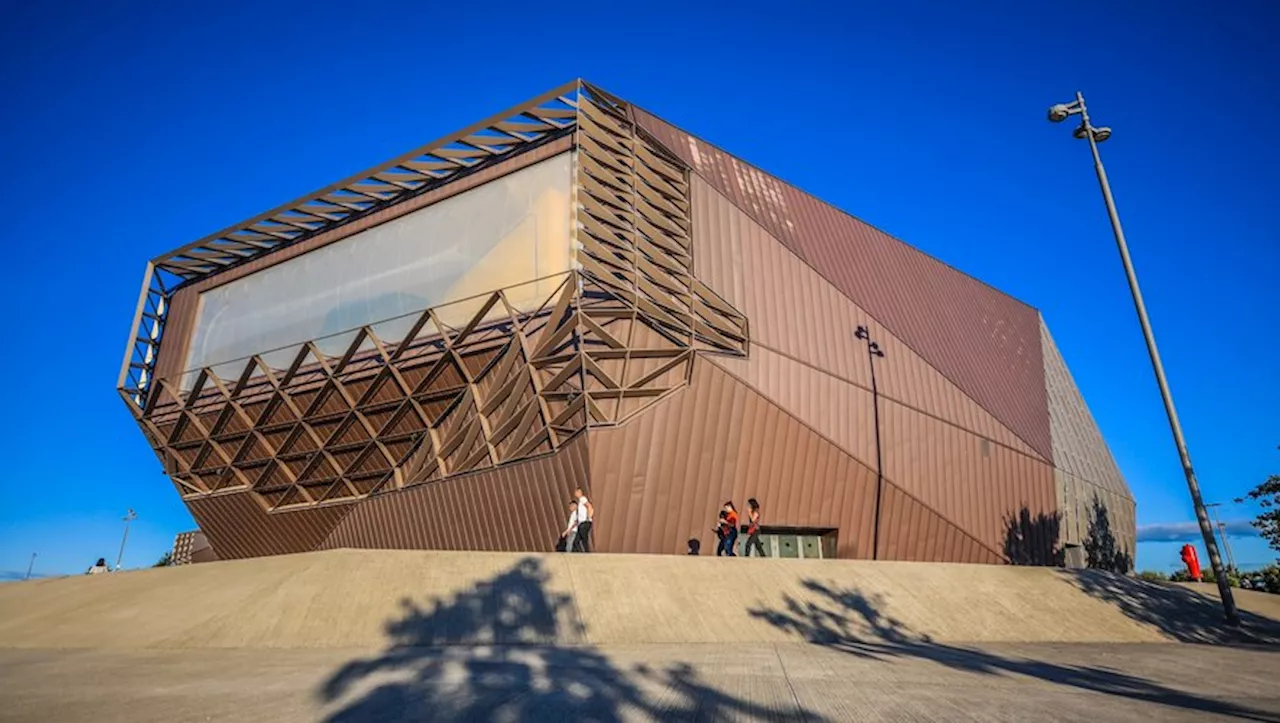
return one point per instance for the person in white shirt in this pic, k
(100, 567)
(586, 515)
(571, 529)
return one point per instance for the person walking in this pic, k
(753, 529)
(728, 530)
(570, 530)
(586, 518)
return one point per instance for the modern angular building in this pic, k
(434, 353)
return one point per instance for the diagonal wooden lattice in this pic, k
(387, 405)
(644, 311)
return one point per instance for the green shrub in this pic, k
(1267, 579)
(1233, 576)
(1153, 576)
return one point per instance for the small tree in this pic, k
(1267, 495)
(1270, 576)
(1100, 549)
(165, 560)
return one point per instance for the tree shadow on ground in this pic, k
(1178, 612)
(1183, 614)
(497, 652)
(852, 622)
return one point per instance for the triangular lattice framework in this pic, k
(475, 383)
(644, 311)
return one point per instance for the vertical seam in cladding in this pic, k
(773, 405)
(790, 329)
(912, 325)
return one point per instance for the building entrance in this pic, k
(796, 543)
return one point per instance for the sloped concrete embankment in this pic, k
(348, 598)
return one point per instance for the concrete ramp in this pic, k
(369, 598)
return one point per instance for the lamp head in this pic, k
(1059, 112)
(1081, 132)
(861, 333)
(1101, 134)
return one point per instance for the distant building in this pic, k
(434, 353)
(189, 547)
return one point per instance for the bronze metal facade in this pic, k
(698, 348)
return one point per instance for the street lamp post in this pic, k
(1222, 532)
(130, 516)
(30, 565)
(874, 351)
(1096, 135)
(1226, 545)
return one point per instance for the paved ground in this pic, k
(399, 636)
(773, 681)
(359, 598)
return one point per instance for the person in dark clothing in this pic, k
(695, 546)
(728, 530)
(753, 529)
(586, 518)
(718, 528)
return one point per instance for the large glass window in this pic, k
(509, 231)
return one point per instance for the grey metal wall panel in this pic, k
(1078, 446)
(1076, 498)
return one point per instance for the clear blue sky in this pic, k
(127, 132)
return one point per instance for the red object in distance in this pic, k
(1192, 562)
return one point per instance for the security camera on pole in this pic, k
(1095, 135)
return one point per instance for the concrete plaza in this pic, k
(743, 681)
(412, 635)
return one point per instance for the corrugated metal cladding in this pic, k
(976, 484)
(660, 479)
(989, 452)
(1078, 446)
(238, 526)
(178, 325)
(837, 410)
(796, 313)
(184, 304)
(1076, 504)
(516, 507)
(984, 341)
(1086, 472)
(911, 531)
